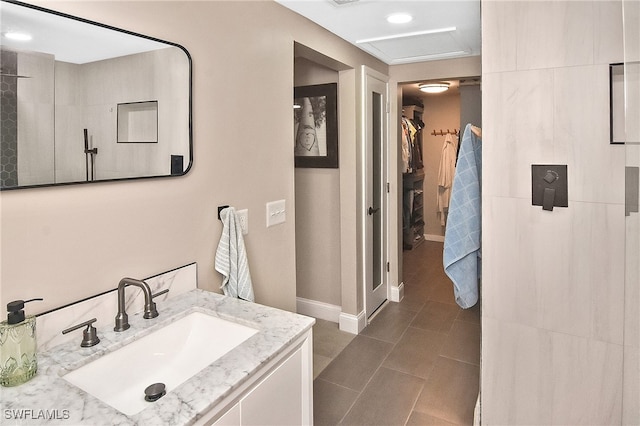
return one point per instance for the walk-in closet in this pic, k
(431, 130)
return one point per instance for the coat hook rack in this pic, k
(442, 132)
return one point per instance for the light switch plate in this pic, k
(276, 212)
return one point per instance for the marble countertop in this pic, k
(49, 399)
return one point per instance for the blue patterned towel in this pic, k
(462, 250)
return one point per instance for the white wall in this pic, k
(65, 243)
(553, 282)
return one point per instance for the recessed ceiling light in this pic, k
(434, 87)
(18, 36)
(399, 18)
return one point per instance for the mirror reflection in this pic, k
(85, 102)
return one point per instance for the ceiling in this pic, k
(440, 29)
(69, 40)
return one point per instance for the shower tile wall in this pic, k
(631, 390)
(35, 138)
(9, 120)
(553, 282)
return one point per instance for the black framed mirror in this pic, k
(63, 78)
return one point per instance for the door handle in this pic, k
(372, 210)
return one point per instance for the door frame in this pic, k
(367, 74)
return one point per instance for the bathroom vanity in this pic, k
(266, 378)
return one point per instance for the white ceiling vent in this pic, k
(343, 2)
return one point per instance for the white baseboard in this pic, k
(353, 324)
(318, 310)
(397, 293)
(432, 237)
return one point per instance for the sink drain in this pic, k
(154, 392)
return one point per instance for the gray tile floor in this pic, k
(417, 363)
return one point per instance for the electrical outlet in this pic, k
(243, 218)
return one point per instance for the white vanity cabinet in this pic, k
(267, 379)
(280, 393)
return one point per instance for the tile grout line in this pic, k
(380, 366)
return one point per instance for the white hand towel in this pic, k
(231, 258)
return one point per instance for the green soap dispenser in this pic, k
(18, 361)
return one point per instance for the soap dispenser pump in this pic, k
(18, 361)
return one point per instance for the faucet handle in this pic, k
(89, 336)
(160, 293)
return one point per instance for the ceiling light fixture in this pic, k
(18, 36)
(399, 18)
(403, 35)
(434, 87)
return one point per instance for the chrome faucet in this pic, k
(150, 311)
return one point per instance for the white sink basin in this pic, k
(170, 355)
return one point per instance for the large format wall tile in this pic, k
(631, 392)
(553, 291)
(556, 116)
(554, 34)
(500, 268)
(545, 274)
(631, 13)
(608, 30)
(543, 377)
(631, 387)
(518, 132)
(499, 44)
(581, 134)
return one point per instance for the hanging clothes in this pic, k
(462, 250)
(411, 152)
(416, 153)
(406, 146)
(446, 172)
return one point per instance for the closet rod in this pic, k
(442, 133)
